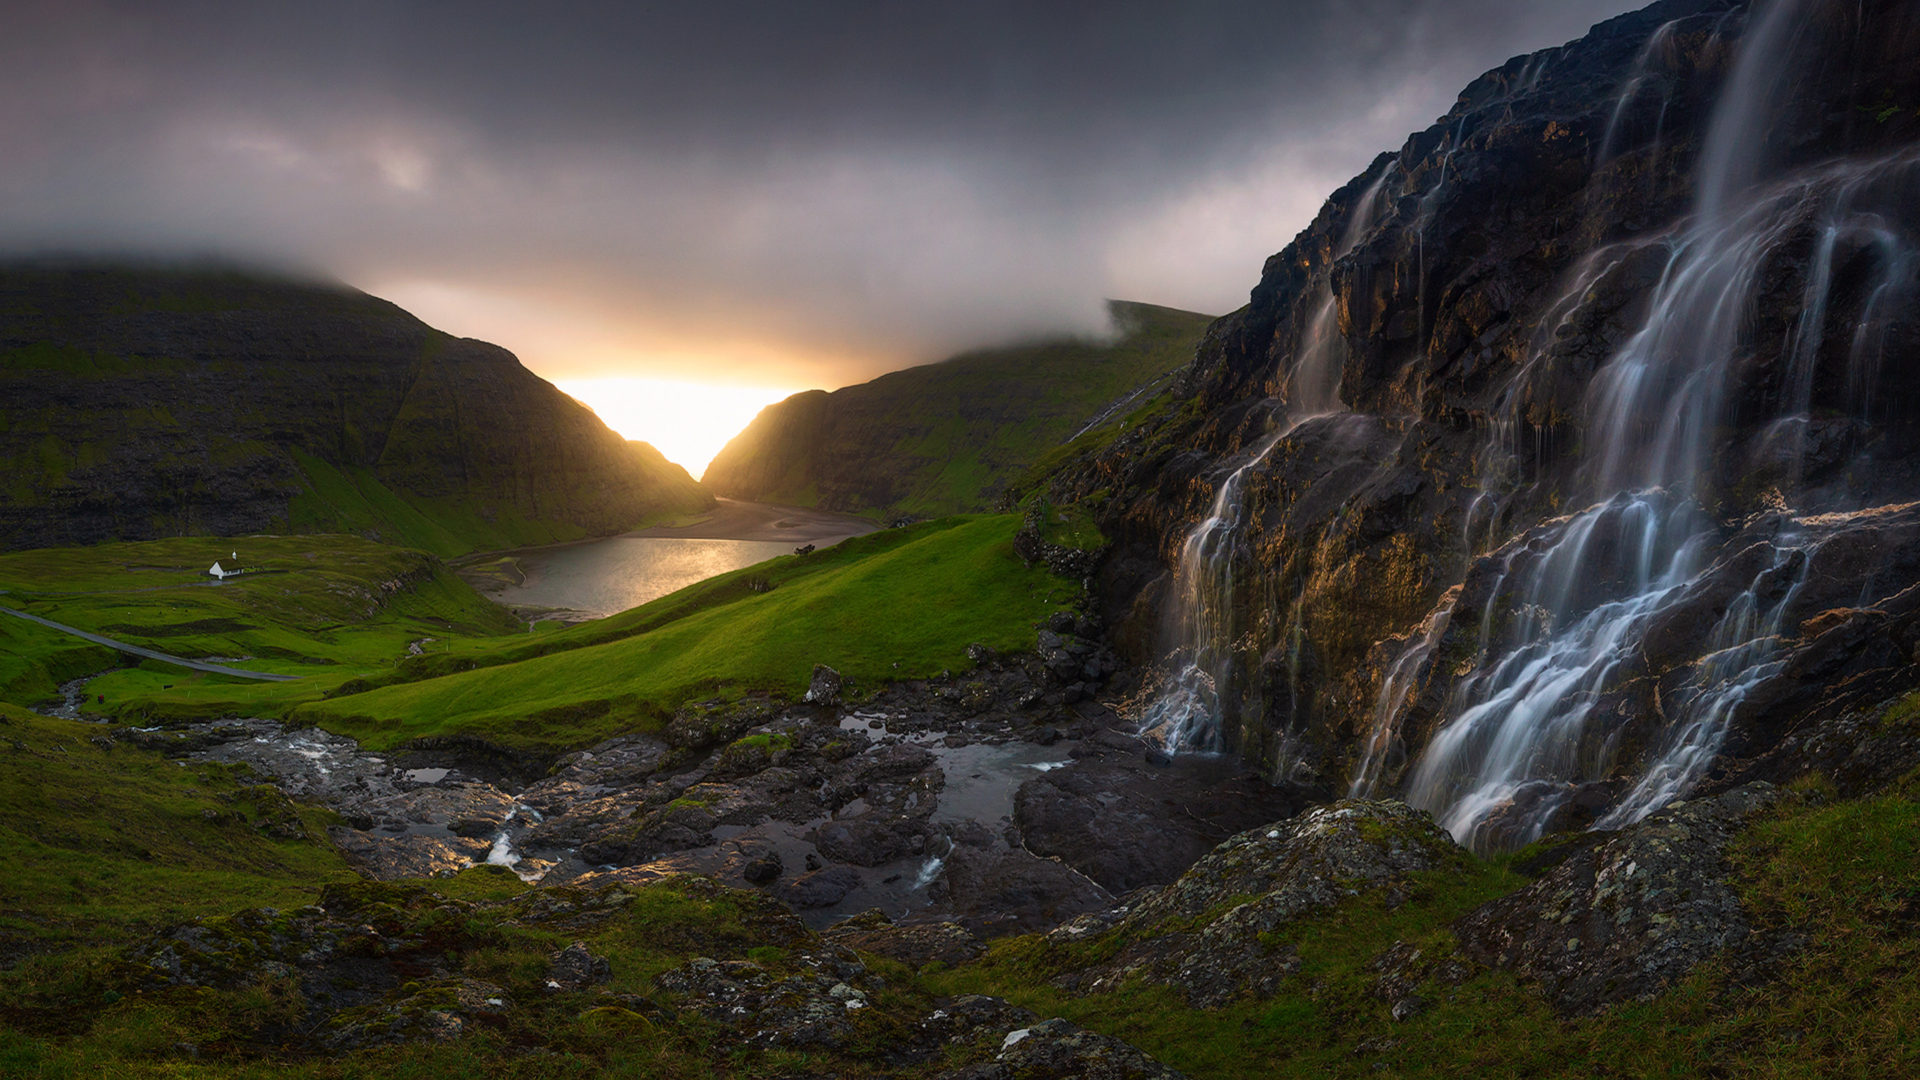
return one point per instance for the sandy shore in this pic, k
(736, 520)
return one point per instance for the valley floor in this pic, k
(963, 867)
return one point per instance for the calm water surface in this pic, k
(605, 576)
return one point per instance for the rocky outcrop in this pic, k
(951, 436)
(370, 964)
(1058, 1050)
(1214, 935)
(1624, 918)
(1474, 292)
(144, 402)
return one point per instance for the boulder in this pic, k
(823, 688)
(1209, 935)
(575, 968)
(1621, 919)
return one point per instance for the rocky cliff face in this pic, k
(140, 403)
(951, 436)
(1539, 474)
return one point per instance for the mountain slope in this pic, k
(140, 402)
(950, 436)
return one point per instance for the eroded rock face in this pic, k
(1471, 289)
(1623, 918)
(1206, 935)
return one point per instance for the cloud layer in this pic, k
(796, 193)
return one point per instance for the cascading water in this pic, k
(1532, 721)
(1204, 632)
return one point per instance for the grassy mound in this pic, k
(1839, 881)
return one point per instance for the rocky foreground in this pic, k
(1006, 799)
(1607, 921)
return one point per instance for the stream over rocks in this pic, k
(984, 799)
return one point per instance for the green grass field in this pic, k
(326, 608)
(341, 612)
(896, 604)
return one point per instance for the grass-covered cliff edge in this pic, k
(951, 437)
(143, 401)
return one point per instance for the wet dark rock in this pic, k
(869, 840)
(1122, 820)
(1008, 890)
(820, 888)
(1620, 920)
(763, 870)
(823, 687)
(388, 856)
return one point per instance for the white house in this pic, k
(231, 569)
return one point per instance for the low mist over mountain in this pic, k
(951, 436)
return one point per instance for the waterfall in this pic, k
(1205, 641)
(1536, 721)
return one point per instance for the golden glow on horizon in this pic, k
(687, 421)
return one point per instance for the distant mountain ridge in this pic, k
(140, 402)
(948, 436)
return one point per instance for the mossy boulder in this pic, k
(1620, 920)
(1218, 933)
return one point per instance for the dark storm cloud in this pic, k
(855, 183)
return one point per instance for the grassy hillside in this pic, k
(341, 613)
(327, 608)
(142, 402)
(899, 604)
(104, 843)
(950, 436)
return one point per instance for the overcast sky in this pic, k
(792, 194)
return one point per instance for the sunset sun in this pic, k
(687, 421)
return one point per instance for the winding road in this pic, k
(197, 665)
